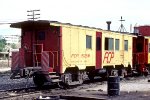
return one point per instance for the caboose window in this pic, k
(88, 42)
(126, 45)
(41, 35)
(109, 44)
(117, 44)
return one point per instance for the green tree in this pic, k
(2, 44)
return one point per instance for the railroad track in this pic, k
(33, 92)
(23, 92)
(36, 95)
(17, 92)
(14, 96)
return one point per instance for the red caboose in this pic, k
(140, 49)
(41, 54)
(40, 51)
(140, 53)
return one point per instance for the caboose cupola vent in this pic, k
(108, 25)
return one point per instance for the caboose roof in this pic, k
(44, 23)
(24, 24)
(47, 23)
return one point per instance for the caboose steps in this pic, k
(56, 80)
(51, 73)
(40, 78)
(54, 77)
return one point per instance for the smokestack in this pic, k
(108, 25)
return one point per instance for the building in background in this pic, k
(12, 44)
(12, 39)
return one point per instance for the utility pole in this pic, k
(122, 28)
(33, 14)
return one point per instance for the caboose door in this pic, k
(98, 50)
(38, 47)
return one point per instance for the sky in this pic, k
(92, 13)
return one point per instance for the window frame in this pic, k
(41, 35)
(88, 42)
(126, 45)
(117, 46)
(108, 42)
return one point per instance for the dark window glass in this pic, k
(109, 44)
(41, 35)
(139, 47)
(117, 44)
(106, 43)
(126, 45)
(88, 42)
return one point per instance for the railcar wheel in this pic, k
(68, 79)
(39, 80)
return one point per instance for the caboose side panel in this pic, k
(116, 49)
(108, 53)
(127, 49)
(76, 50)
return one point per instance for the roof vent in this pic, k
(108, 25)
